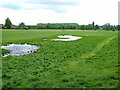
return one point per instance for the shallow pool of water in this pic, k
(19, 49)
(67, 38)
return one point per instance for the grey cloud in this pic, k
(11, 6)
(54, 5)
(56, 9)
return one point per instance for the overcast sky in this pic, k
(32, 12)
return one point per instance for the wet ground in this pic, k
(18, 49)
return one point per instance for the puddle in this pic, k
(67, 38)
(18, 49)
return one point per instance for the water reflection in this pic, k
(67, 38)
(18, 49)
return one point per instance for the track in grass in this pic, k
(98, 47)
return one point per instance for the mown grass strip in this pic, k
(100, 45)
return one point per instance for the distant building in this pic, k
(1, 26)
(14, 27)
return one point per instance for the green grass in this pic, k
(4, 51)
(90, 62)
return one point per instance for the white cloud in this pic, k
(100, 11)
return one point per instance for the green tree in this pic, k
(118, 27)
(22, 25)
(41, 26)
(89, 26)
(107, 26)
(8, 23)
(82, 27)
(48, 26)
(38, 26)
(96, 27)
(93, 25)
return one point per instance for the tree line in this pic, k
(8, 25)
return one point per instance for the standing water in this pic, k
(18, 49)
(67, 38)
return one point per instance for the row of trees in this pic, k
(92, 26)
(106, 26)
(57, 26)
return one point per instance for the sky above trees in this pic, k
(32, 12)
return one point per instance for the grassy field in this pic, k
(90, 62)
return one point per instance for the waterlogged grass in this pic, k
(90, 62)
(4, 51)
